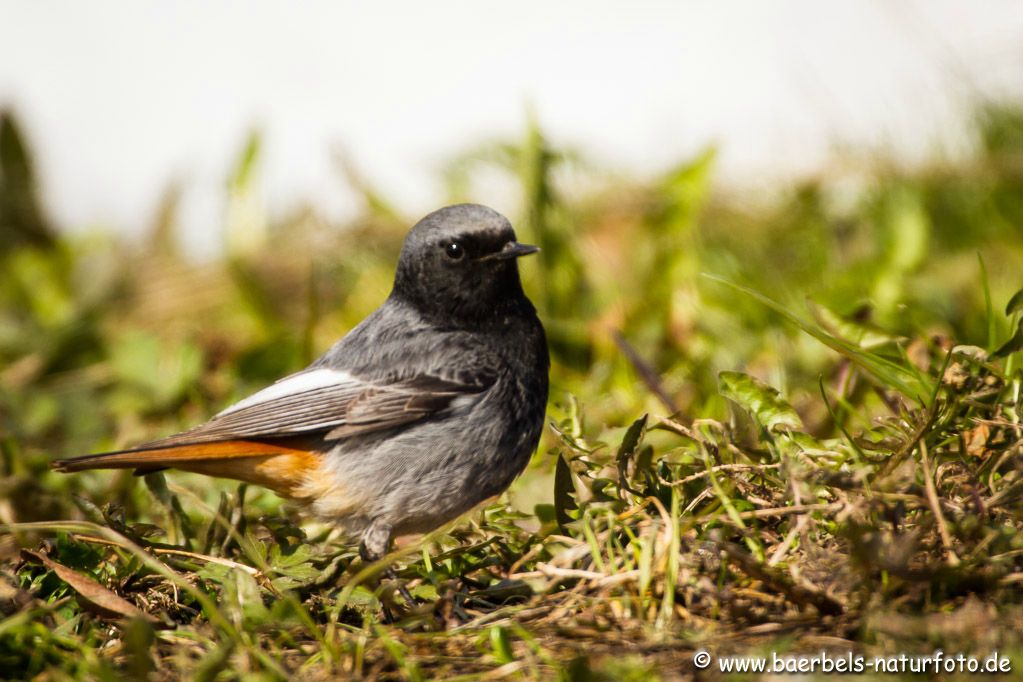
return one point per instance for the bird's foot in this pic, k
(402, 590)
(373, 547)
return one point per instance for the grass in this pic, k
(815, 446)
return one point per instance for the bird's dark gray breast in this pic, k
(446, 463)
(520, 398)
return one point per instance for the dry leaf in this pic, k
(93, 596)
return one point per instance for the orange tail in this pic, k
(282, 468)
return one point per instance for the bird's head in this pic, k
(460, 262)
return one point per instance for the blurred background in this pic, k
(197, 198)
(122, 100)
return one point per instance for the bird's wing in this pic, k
(332, 402)
(274, 437)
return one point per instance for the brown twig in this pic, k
(935, 504)
(798, 594)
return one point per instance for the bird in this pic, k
(431, 405)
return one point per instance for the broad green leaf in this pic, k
(764, 403)
(863, 335)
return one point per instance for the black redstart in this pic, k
(432, 404)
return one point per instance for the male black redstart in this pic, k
(429, 406)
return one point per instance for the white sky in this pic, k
(121, 98)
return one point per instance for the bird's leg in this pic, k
(402, 590)
(373, 547)
(375, 541)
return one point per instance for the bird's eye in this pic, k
(454, 251)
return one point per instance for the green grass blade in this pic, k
(904, 379)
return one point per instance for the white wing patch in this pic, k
(296, 383)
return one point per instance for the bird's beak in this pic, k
(512, 250)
